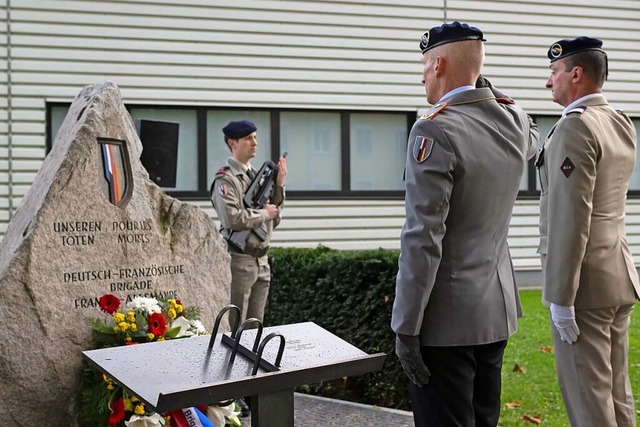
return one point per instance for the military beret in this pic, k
(447, 33)
(566, 47)
(239, 129)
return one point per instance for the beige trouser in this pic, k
(250, 279)
(593, 371)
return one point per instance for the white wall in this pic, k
(297, 54)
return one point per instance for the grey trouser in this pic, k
(250, 279)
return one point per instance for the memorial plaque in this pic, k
(92, 223)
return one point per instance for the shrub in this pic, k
(350, 294)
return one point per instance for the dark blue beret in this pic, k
(239, 129)
(447, 33)
(566, 47)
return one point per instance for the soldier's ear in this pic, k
(438, 65)
(577, 73)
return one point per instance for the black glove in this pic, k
(483, 82)
(408, 351)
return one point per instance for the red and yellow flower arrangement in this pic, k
(105, 403)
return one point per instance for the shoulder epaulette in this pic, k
(222, 170)
(505, 100)
(218, 174)
(578, 110)
(435, 110)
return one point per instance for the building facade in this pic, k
(335, 84)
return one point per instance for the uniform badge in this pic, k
(567, 167)
(556, 50)
(222, 189)
(422, 148)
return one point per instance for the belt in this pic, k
(254, 252)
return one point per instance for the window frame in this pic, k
(202, 193)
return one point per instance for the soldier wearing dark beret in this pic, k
(250, 270)
(456, 301)
(590, 281)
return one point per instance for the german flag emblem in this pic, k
(422, 148)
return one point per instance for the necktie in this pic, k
(251, 173)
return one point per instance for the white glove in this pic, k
(564, 319)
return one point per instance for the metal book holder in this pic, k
(233, 341)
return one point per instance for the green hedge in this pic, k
(350, 294)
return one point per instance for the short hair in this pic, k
(592, 62)
(463, 55)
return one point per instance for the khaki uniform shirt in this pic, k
(455, 284)
(584, 168)
(227, 191)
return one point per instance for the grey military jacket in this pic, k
(455, 284)
(584, 168)
(228, 188)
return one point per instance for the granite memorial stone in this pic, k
(91, 224)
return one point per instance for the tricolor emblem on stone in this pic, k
(115, 165)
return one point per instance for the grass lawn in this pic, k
(529, 381)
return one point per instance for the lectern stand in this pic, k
(181, 373)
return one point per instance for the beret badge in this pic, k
(425, 39)
(556, 50)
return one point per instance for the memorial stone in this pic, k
(91, 224)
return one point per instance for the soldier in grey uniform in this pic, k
(250, 270)
(590, 280)
(456, 300)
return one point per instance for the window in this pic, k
(331, 154)
(378, 151)
(313, 142)
(186, 174)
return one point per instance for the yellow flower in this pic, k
(131, 316)
(172, 313)
(110, 386)
(128, 338)
(139, 410)
(123, 326)
(118, 317)
(134, 327)
(179, 308)
(160, 338)
(134, 399)
(116, 329)
(150, 336)
(128, 406)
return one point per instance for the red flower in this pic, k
(157, 325)
(178, 302)
(117, 412)
(109, 303)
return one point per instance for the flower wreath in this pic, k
(105, 403)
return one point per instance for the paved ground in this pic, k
(315, 411)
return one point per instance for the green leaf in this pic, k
(172, 333)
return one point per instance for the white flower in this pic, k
(217, 414)
(155, 420)
(198, 327)
(145, 305)
(184, 325)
